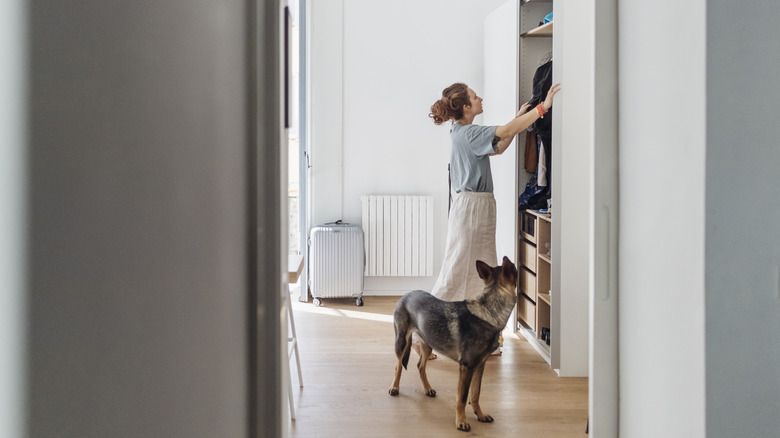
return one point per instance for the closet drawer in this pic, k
(527, 283)
(528, 255)
(526, 310)
(528, 223)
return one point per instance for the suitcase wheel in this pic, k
(359, 301)
(318, 302)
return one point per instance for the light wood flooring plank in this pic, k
(347, 360)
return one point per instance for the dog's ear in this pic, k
(484, 270)
(508, 269)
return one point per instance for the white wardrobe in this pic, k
(514, 49)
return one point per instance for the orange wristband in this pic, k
(541, 110)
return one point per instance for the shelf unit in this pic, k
(533, 300)
(545, 30)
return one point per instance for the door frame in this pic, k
(603, 380)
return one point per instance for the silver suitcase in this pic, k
(337, 261)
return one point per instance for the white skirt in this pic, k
(471, 236)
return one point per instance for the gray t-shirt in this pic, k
(470, 157)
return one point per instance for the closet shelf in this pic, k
(545, 30)
(545, 298)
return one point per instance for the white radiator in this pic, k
(398, 234)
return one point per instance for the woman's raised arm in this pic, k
(524, 119)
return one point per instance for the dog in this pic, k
(465, 331)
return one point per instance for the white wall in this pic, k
(743, 219)
(662, 158)
(377, 68)
(12, 212)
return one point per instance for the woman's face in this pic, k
(476, 103)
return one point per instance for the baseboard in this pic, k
(384, 293)
(542, 348)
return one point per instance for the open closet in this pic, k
(523, 57)
(534, 219)
(572, 289)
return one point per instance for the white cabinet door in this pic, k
(500, 96)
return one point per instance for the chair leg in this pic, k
(295, 345)
(293, 349)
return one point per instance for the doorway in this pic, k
(297, 162)
(353, 149)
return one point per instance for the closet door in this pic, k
(572, 191)
(500, 95)
(585, 149)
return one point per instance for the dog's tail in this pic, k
(403, 334)
(407, 351)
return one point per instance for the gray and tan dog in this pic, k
(465, 331)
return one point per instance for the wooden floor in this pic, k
(347, 361)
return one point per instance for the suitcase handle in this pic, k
(338, 222)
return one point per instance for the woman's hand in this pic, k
(524, 119)
(523, 109)
(549, 100)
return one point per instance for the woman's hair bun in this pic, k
(450, 106)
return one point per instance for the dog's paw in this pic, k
(465, 427)
(431, 392)
(393, 391)
(484, 418)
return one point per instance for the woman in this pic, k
(471, 230)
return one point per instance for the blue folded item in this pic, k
(548, 18)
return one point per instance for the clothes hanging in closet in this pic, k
(531, 156)
(541, 85)
(537, 190)
(536, 195)
(543, 127)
